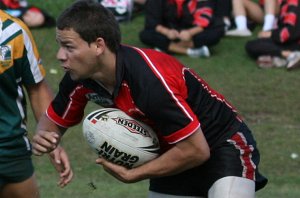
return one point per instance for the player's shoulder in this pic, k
(148, 57)
(6, 18)
(149, 53)
(13, 27)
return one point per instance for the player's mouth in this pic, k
(66, 69)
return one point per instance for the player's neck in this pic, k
(106, 75)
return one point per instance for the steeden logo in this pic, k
(132, 126)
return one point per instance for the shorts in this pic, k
(15, 161)
(237, 156)
(15, 171)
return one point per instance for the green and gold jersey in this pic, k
(20, 65)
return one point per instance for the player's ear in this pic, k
(100, 45)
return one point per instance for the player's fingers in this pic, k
(42, 136)
(38, 149)
(108, 166)
(65, 164)
(56, 160)
(61, 183)
(45, 142)
(68, 177)
(99, 160)
(65, 171)
(117, 171)
(37, 152)
(65, 180)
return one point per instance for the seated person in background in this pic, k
(31, 15)
(124, 10)
(181, 26)
(262, 13)
(279, 47)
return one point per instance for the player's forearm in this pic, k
(45, 124)
(47, 136)
(183, 156)
(40, 97)
(195, 30)
(162, 29)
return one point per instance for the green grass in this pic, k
(269, 100)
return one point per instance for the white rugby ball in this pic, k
(119, 138)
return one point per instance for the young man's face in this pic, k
(76, 56)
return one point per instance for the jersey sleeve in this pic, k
(67, 108)
(34, 70)
(202, 12)
(20, 44)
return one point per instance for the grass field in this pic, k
(269, 100)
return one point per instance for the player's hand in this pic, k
(60, 161)
(185, 35)
(44, 142)
(172, 34)
(119, 172)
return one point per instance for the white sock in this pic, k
(241, 22)
(269, 20)
(198, 52)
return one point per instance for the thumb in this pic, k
(55, 155)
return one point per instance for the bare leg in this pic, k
(180, 47)
(238, 8)
(25, 189)
(254, 11)
(271, 7)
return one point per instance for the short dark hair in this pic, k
(91, 20)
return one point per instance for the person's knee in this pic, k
(232, 187)
(33, 18)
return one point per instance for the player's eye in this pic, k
(69, 47)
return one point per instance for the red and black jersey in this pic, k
(178, 14)
(288, 25)
(155, 88)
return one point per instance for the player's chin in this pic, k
(74, 76)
